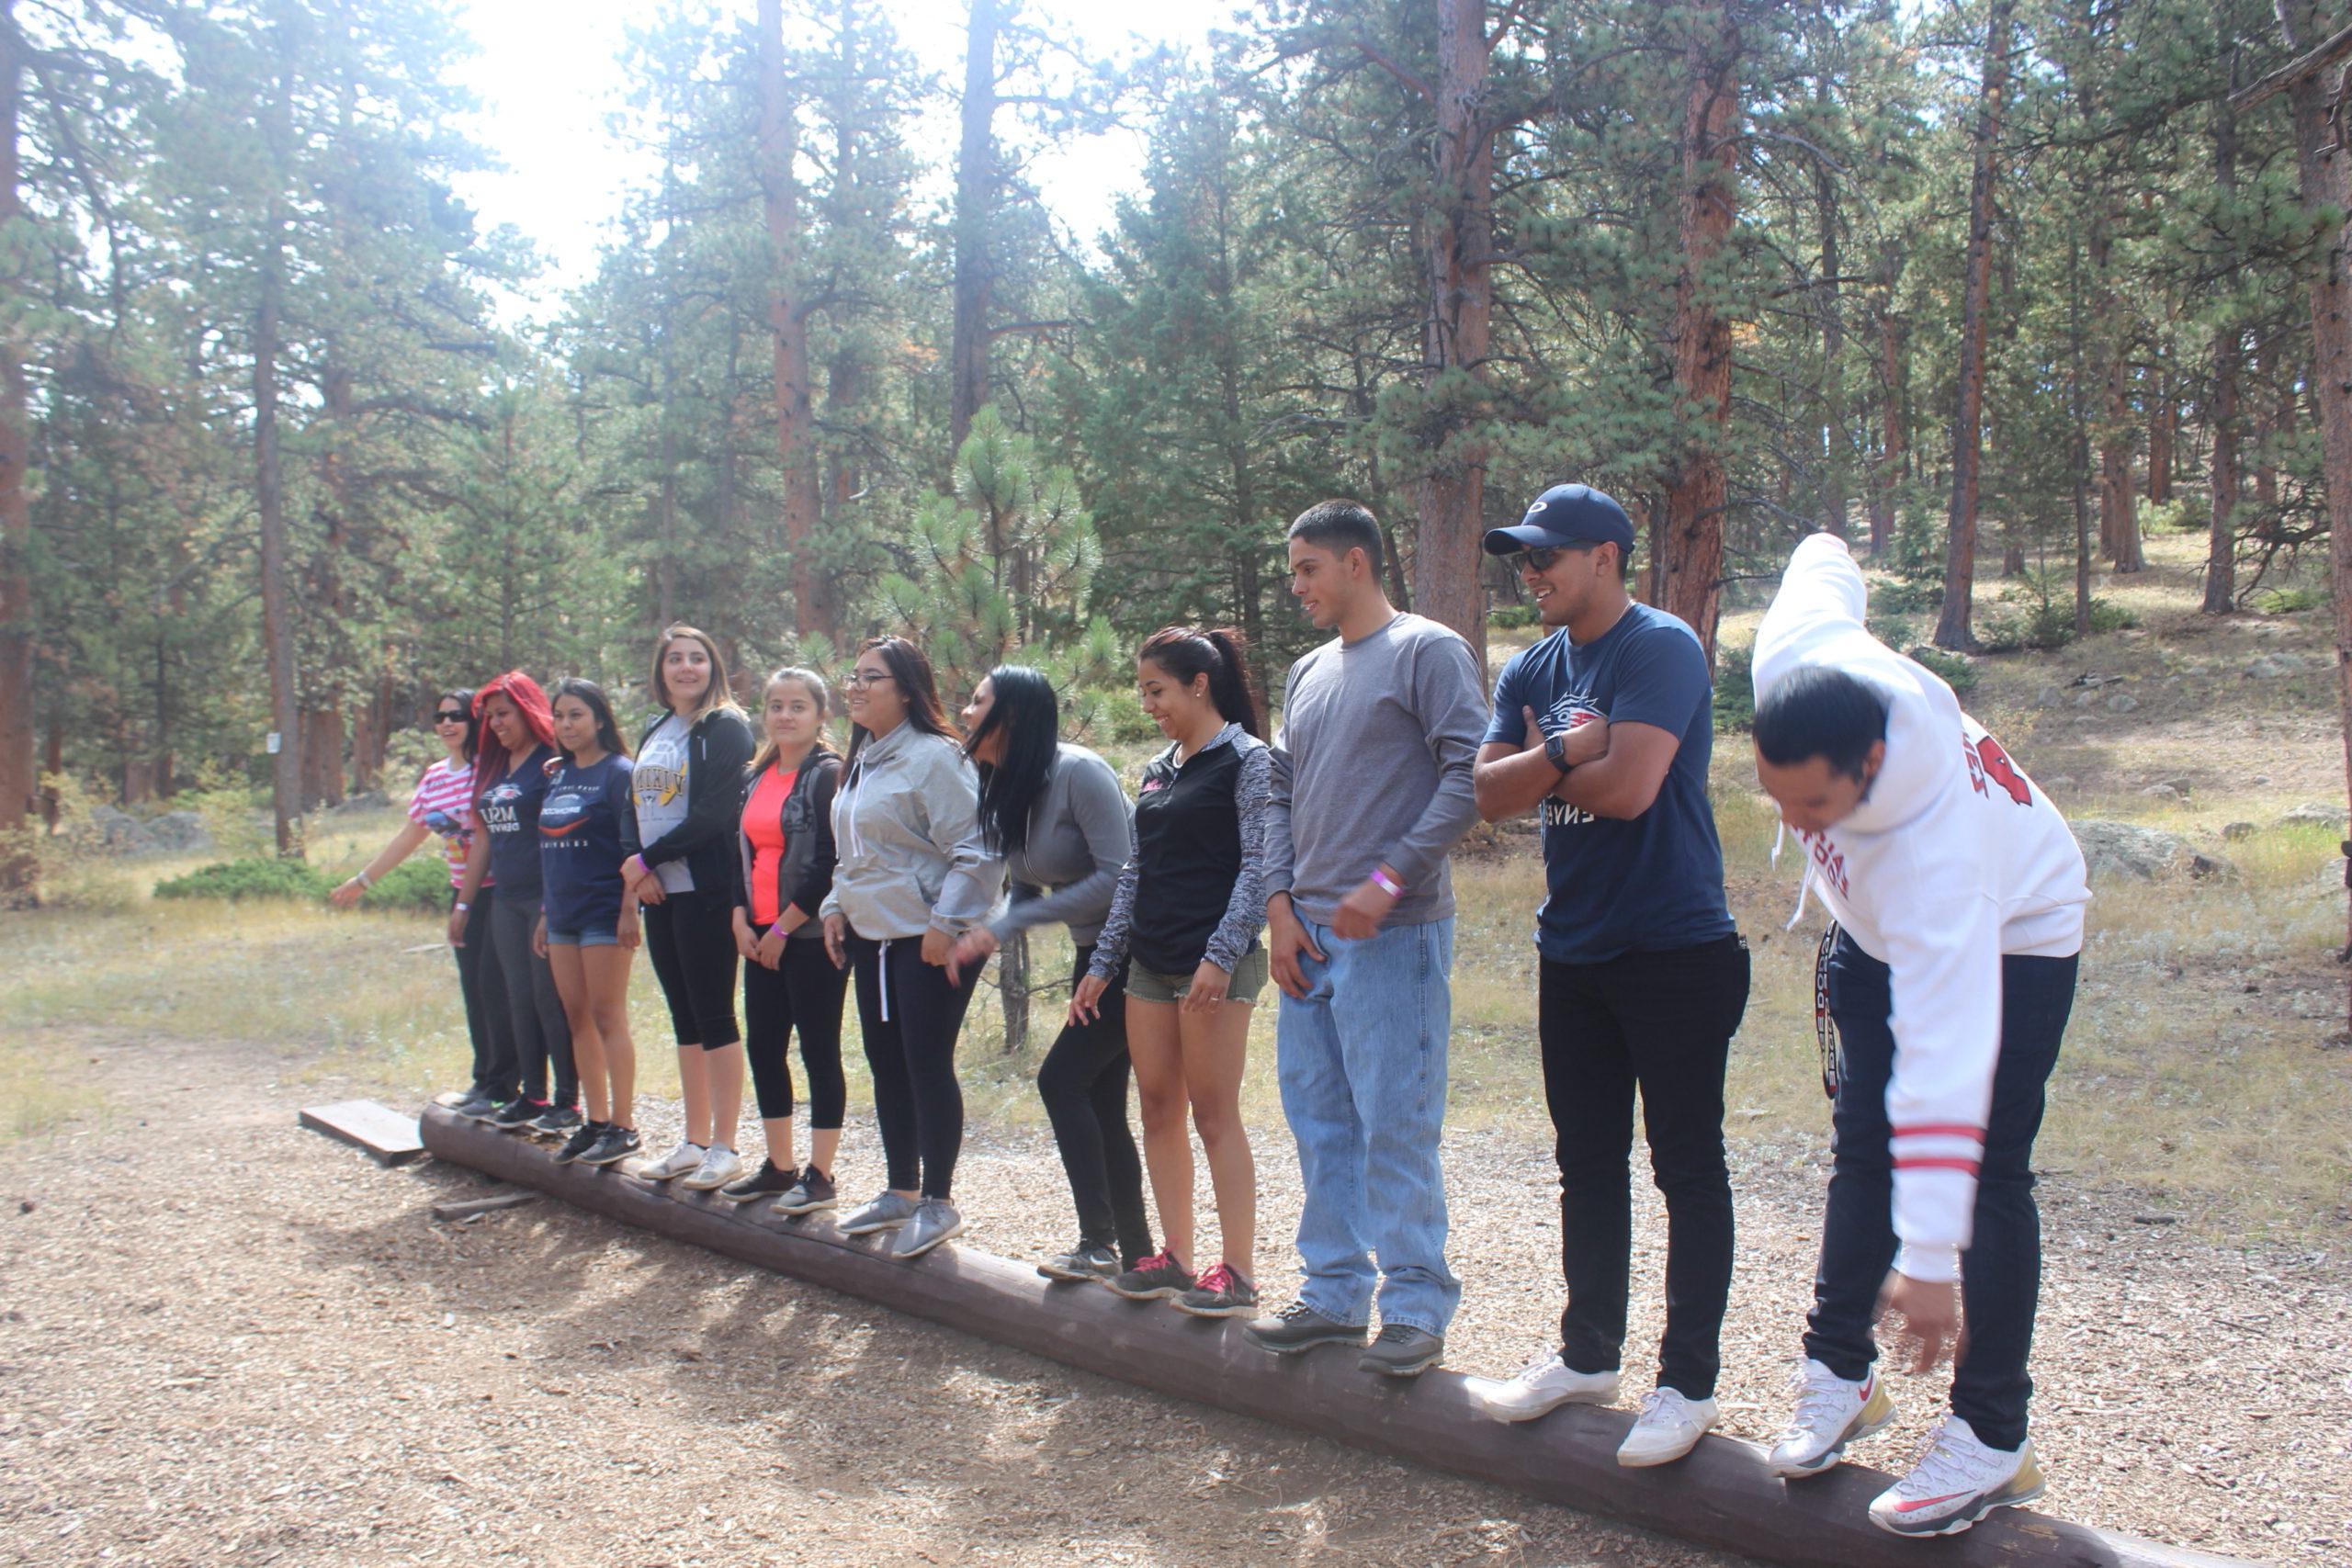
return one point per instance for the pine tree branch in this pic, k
(2315, 58)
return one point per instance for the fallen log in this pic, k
(1719, 1496)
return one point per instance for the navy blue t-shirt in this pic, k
(1656, 883)
(580, 843)
(510, 815)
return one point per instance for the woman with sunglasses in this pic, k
(443, 806)
(913, 876)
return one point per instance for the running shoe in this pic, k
(517, 1113)
(612, 1144)
(1541, 1386)
(1221, 1292)
(886, 1211)
(719, 1166)
(1956, 1483)
(1670, 1425)
(934, 1220)
(557, 1122)
(476, 1105)
(1300, 1327)
(1831, 1414)
(1083, 1263)
(686, 1156)
(1157, 1278)
(584, 1138)
(765, 1182)
(811, 1192)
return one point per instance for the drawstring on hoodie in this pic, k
(1804, 887)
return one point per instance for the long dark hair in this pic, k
(464, 697)
(608, 733)
(1025, 712)
(917, 685)
(1187, 652)
(814, 684)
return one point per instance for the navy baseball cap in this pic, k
(1566, 516)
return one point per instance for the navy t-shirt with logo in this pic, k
(510, 815)
(580, 843)
(1656, 883)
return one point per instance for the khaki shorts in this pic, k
(1150, 986)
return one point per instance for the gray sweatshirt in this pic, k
(1373, 765)
(1081, 831)
(907, 826)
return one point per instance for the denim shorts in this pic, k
(1150, 986)
(590, 938)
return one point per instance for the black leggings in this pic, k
(804, 991)
(917, 1102)
(691, 939)
(1083, 1081)
(541, 1032)
(497, 1069)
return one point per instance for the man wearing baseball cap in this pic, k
(1607, 725)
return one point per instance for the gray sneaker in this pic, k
(886, 1211)
(1402, 1351)
(1299, 1327)
(935, 1220)
(1083, 1263)
(811, 1191)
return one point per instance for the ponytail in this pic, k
(1188, 652)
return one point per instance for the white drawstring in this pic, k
(882, 978)
(1804, 887)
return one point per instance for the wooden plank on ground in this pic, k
(1721, 1496)
(388, 1136)
(471, 1207)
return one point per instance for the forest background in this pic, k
(2011, 280)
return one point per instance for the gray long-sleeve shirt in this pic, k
(1372, 766)
(1081, 831)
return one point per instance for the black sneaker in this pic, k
(1220, 1294)
(1402, 1351)
(557, 1121)
(1155, 1278)
(1082, 1262)
(812, 1191)
(613, 1143)
(765, 1182)
(519, 1112)
(584, 1138)
(474, 1105)
(1299, 1327)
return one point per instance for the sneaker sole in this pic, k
(1834, 1458)
(1400, 1369)
(1162, 1293)
(1513, 1415)
(1296, 1346)
(1650, 1461)
(1959, 1523)
(1238, 1309)
(791, 1211)
(875, 1229)
(949, 1234)
(748, 1196)
(693, 1185)
(608, 1161)
(1070, 1276)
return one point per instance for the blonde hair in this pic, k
(814, 683)
(718, 694)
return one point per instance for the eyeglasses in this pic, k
(857, 681)
(447, 717)
(1536, 560)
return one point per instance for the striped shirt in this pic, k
(444, 802)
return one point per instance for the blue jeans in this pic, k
(1362, 1066)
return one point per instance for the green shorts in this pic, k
(1150, 986)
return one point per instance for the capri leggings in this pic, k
(691, 939)
(804, 991)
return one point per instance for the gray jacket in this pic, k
(906, 828)
(1081, 831)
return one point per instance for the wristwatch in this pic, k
(1556, 747)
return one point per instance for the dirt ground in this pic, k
(228, 1340)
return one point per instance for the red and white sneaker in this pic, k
(1831, 1413)
(1956, 1483)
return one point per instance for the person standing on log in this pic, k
(1185, 921)
(1055, 811)
(588, 924)
(784, 865)
(1958, 895)
(509, 786)
(689, 787)
(1607, 724)
(443, 806)
(915, 874)
(1372, 789)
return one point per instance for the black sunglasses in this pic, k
(1536, 560)
(445, 717)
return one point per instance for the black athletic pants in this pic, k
(497, 1070)
(1664, 1022)
(1083, 1081)
(911, 1053)
(804, 991)
(690, 937)
(542, 1034)
(2001, 1270)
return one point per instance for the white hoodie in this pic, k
(1952, 859)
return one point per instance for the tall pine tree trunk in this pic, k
(975, 199)
(1829, 307)
(1894, 436)
(796, 411)
(1457, 253)
(276, 607)
(1696, 491)
(1952, 627)
(2222, 542)
(19, 782)
(2164, 427)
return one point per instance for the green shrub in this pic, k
(1512, 617)
(1119, 715)
(2174, 517)
(1905, 596)
(2289, 601)
(1735, 687)
(253, 878)
(1956, 671)
(420, 883)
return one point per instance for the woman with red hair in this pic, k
(509, 786)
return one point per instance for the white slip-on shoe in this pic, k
(1541, 1386)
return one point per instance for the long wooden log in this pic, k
(1721, 1496)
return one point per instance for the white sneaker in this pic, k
(686, 1156)
(718, 1166)
(1541, 1386)
(1668, 1426)
(1956, 1483)
(1831, 1413)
